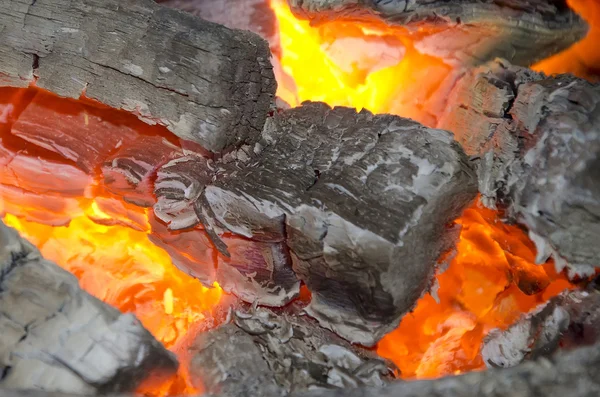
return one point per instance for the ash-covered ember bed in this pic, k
(299, 198)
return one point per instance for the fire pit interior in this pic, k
(299, 197)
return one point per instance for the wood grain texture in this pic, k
(56, 337)
(264, 353)
(204, 82)
(537, 138)
(358, 205)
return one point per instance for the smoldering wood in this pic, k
(128, 173)
(264, 353)
(465, 31)
(363, 202)
(538, 145)
(190, 250)
(257, 271)
(77, 134)
(204, 82)
(567, 321)
(573, 373)
(56, 337)
(253, 15)
(178, 185)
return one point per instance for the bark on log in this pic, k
(467, 31)
(569, 320)
(263, 353)
(56, 337)
(204, 82)
(362, 202)
(538, 141)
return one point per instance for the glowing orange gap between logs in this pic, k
(490, 281)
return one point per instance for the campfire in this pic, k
(299, 197)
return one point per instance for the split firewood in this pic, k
(263, 353)
(538, 143)
(363, 203)
(468, 31)
(204, 82)
(56, 337)
(569, 320)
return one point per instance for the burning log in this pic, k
(467, 32)
(539, 147)
(573, 372)
(56, 337)
(263, 353)
(204, 82)
(253, 15)
(362, 202)
(569, 320)
(128, 172)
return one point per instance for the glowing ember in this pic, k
(122, 267)
(489, 283)
(492, 279)
(348, 64)
(583, 58)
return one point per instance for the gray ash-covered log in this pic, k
(567, 321)
(538, 143)
(359, 205)
(573, 373)
(56, 337)
(465, 31)
(204, 82)
(253, 15)
(262, 353)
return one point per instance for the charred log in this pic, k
(56, 337)
(362, 202)
(569, 320)
(253, 15)
(467, 31)
(263, 353)
(538, 141)
(573, 373)
(204, 82)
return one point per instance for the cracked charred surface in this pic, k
(204, 82)
(539, 145)
(465, 31)
(358, 205)
(253, 15)
(56, 337)
(569, 320)
(573, 373)
(264, 353)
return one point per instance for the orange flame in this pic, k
(492, 279)
(489, 282)
(350, 64)
(122, 267)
